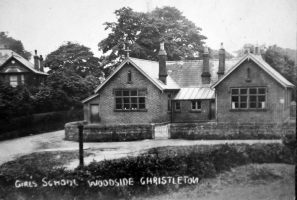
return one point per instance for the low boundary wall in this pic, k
(109, 133)
(219, 131)
(189, 131)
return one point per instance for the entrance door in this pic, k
(161, 131)
(212, 111)
(95, 113)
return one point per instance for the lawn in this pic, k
(247, 182)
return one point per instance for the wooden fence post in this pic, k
(81, 145)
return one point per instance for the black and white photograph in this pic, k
(148, 99)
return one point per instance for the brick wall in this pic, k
(108, 133)
(230, 130)
(156, 101)
(276, 111)
(187, 115)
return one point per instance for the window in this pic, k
(129, 78)
(13, 80)
(177, 106)
(130, 99)
(196, 105)
(248, 98)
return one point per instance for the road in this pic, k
(54, 141)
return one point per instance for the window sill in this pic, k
(195, 111)
(248, 110)
(142, 110)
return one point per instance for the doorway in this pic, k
(95, 113)
(212, 110)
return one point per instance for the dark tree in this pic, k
(280, 60)
(142, 32)
(15, 45)
(74, 57)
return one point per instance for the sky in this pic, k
(46, 24)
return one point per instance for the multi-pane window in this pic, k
(13, 80)
(196, 105)
(130, 99)
(248, 98)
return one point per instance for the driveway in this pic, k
(54, 141)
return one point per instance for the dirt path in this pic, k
(54, 141)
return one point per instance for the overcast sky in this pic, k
(45, 24)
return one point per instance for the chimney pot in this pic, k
(41, 63)
(36, 61)
(205, 70)
(222, 57)
(162, 63)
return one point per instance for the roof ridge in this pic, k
(143, 59)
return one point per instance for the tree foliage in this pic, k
(15, 45)
(278, 58)
(75, 57)
(142, 32)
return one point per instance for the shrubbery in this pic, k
(198, 161)
(37, 123)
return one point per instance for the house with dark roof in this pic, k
(16, 70)
(244, 89)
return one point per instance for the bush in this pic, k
(198, 161)
(38, 123)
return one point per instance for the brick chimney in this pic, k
(41, 63)
(222, 57)
(257, 50)
(36, 61)
(162, 63)
(205, 70)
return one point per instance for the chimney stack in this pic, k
(205, 70)
(36, 61)
(257, 52)
(41, 63)
(162, 63)
(222, 57)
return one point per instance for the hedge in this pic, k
(37, 123)
(197, 161)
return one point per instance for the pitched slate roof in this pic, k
(195, 93)
(188, 73)
(261, 63)
(149, 69)
(6, 54)
(185, 76)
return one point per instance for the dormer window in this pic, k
(129, 77)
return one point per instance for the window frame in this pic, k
(197, 105)
(258, 104)
(130, 99)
